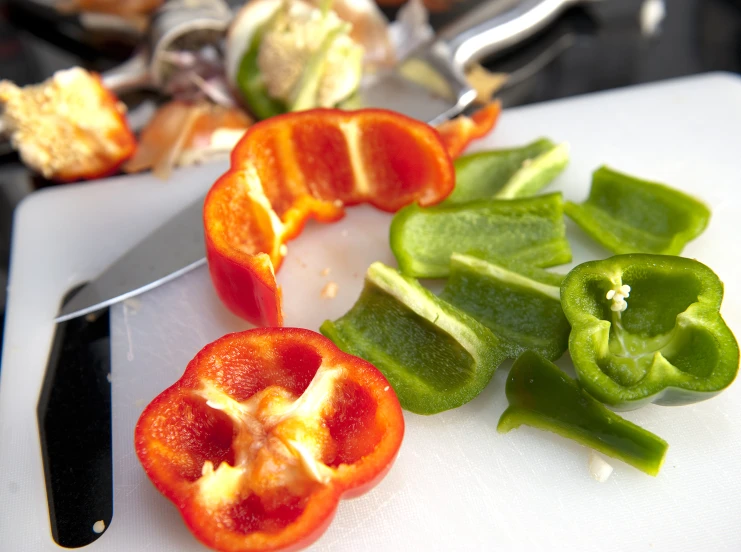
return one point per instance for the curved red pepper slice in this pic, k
(310, 164)
(263, 435)
(461, 131)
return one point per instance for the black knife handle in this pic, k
(74, 416)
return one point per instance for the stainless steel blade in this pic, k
(173, 249)
(397, 93)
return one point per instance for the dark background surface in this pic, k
(595, 47)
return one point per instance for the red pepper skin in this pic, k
(458, 133)
(289, 168)
(350, 421)
(120, 144)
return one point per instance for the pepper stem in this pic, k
(617, 296)
(619, 332)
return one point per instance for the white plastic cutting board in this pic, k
(457, 484)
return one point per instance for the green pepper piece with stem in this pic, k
(435, 356)
(523, 313)
(527, 231)
(542, 396)
(625, 214)
(508, 173)
(647, 328)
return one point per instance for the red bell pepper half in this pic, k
(310, 164)
(458, 133)
(263, 435)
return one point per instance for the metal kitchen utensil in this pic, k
(178, 25)
(430, 84)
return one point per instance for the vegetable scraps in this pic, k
(263, 435)
(290, 56)
(69, 127)
(182, 133)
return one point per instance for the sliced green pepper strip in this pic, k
(525, 314)
(628, 215)
(507, 173)
(542, 396)
(527, 231)
(647, 328)
(251, 85)
(434, 355)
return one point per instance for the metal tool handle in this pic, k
(486, 29)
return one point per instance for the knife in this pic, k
(173, 249)
(177, 247)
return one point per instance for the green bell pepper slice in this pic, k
(625, 214)
(542, 396)
(647, 328)
(528, 231)
(508, 173)
(251, 85)
(524, 313)
(435, 356)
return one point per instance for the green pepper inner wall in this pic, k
(627, 200)
(656, 300)
(649, 324)
(389, 326)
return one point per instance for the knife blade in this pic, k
(173, 249)
(177, 247)
(430, 84)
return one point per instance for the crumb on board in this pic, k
(133, 304)
(325, 272)
(599, 469)
(330, 290)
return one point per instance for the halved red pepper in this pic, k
(458, 133)
(310, 164)
(263, 435)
